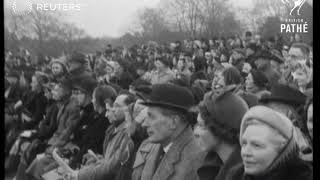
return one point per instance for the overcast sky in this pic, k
(108, 17)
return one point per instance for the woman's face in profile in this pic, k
(259, 148)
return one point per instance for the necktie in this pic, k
(160, 156)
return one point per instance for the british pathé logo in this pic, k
(297, 5)
(294, 24)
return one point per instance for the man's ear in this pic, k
(174, 122)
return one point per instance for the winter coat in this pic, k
(118, 149)
(293, 169)
(180, 162)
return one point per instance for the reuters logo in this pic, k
(21, 7)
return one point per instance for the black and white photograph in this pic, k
(158, 89)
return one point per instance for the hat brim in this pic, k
(294, 102)
(164, 105)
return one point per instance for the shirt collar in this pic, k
(167, 147)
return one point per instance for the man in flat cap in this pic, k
(170, 152)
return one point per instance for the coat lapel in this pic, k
(166, 167)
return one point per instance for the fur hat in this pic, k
(223, 114)
(259, 79)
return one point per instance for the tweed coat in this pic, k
(180, 162)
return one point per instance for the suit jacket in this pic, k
(180, 162)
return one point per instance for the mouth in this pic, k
(149, 132)
(249, 163)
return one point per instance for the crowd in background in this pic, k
(220, 108)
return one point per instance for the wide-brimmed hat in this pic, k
(285, 94)
(170, 96)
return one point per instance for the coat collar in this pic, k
(166, 167)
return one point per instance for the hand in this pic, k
(90, 159)
(71, 176)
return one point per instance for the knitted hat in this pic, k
(270, 117)
(278, 122)
(259, 78)
(223, 115)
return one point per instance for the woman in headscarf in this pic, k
(269, 148)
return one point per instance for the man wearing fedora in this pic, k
(170, 152)
(290, 102)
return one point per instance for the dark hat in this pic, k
(277, 56)
(86, 84)
(104, 92)
(78, 57)
(164, 60)
(41, 77)
(181, 80)
(285, 94)
(170, 96)
(66, 83)
(223, 114)
(259, 78)
(49, 85)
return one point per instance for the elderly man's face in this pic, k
(159, 127)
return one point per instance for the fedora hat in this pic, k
(170, 96)
(285, 94)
